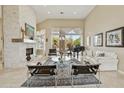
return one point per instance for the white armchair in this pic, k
(108, 60)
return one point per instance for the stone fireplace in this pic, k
(17, 57)
(28, 49)
(15, 52)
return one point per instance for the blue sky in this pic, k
(74, 37)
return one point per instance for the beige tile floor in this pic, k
(15, 77)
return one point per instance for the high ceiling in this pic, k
(44, 12)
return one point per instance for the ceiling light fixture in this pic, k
(74, 13)
(49, 12)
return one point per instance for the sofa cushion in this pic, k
(106, 54)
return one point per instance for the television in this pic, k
(29, 31)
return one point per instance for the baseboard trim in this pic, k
(121, 72)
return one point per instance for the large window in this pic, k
(55, 39)
(71, 39)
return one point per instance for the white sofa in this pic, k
(108, 60)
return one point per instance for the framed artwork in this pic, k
(115, 38)
(29, 31)
(98, 40)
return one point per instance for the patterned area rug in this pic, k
(37, 81)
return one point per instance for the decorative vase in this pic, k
(60, 60)
(28, 58)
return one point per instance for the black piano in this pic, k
(78, 49)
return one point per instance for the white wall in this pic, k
(102, 19)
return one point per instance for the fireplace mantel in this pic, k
(29, 41)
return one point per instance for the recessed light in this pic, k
(74, 13)
(49, 12)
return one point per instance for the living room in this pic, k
(93, 26)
